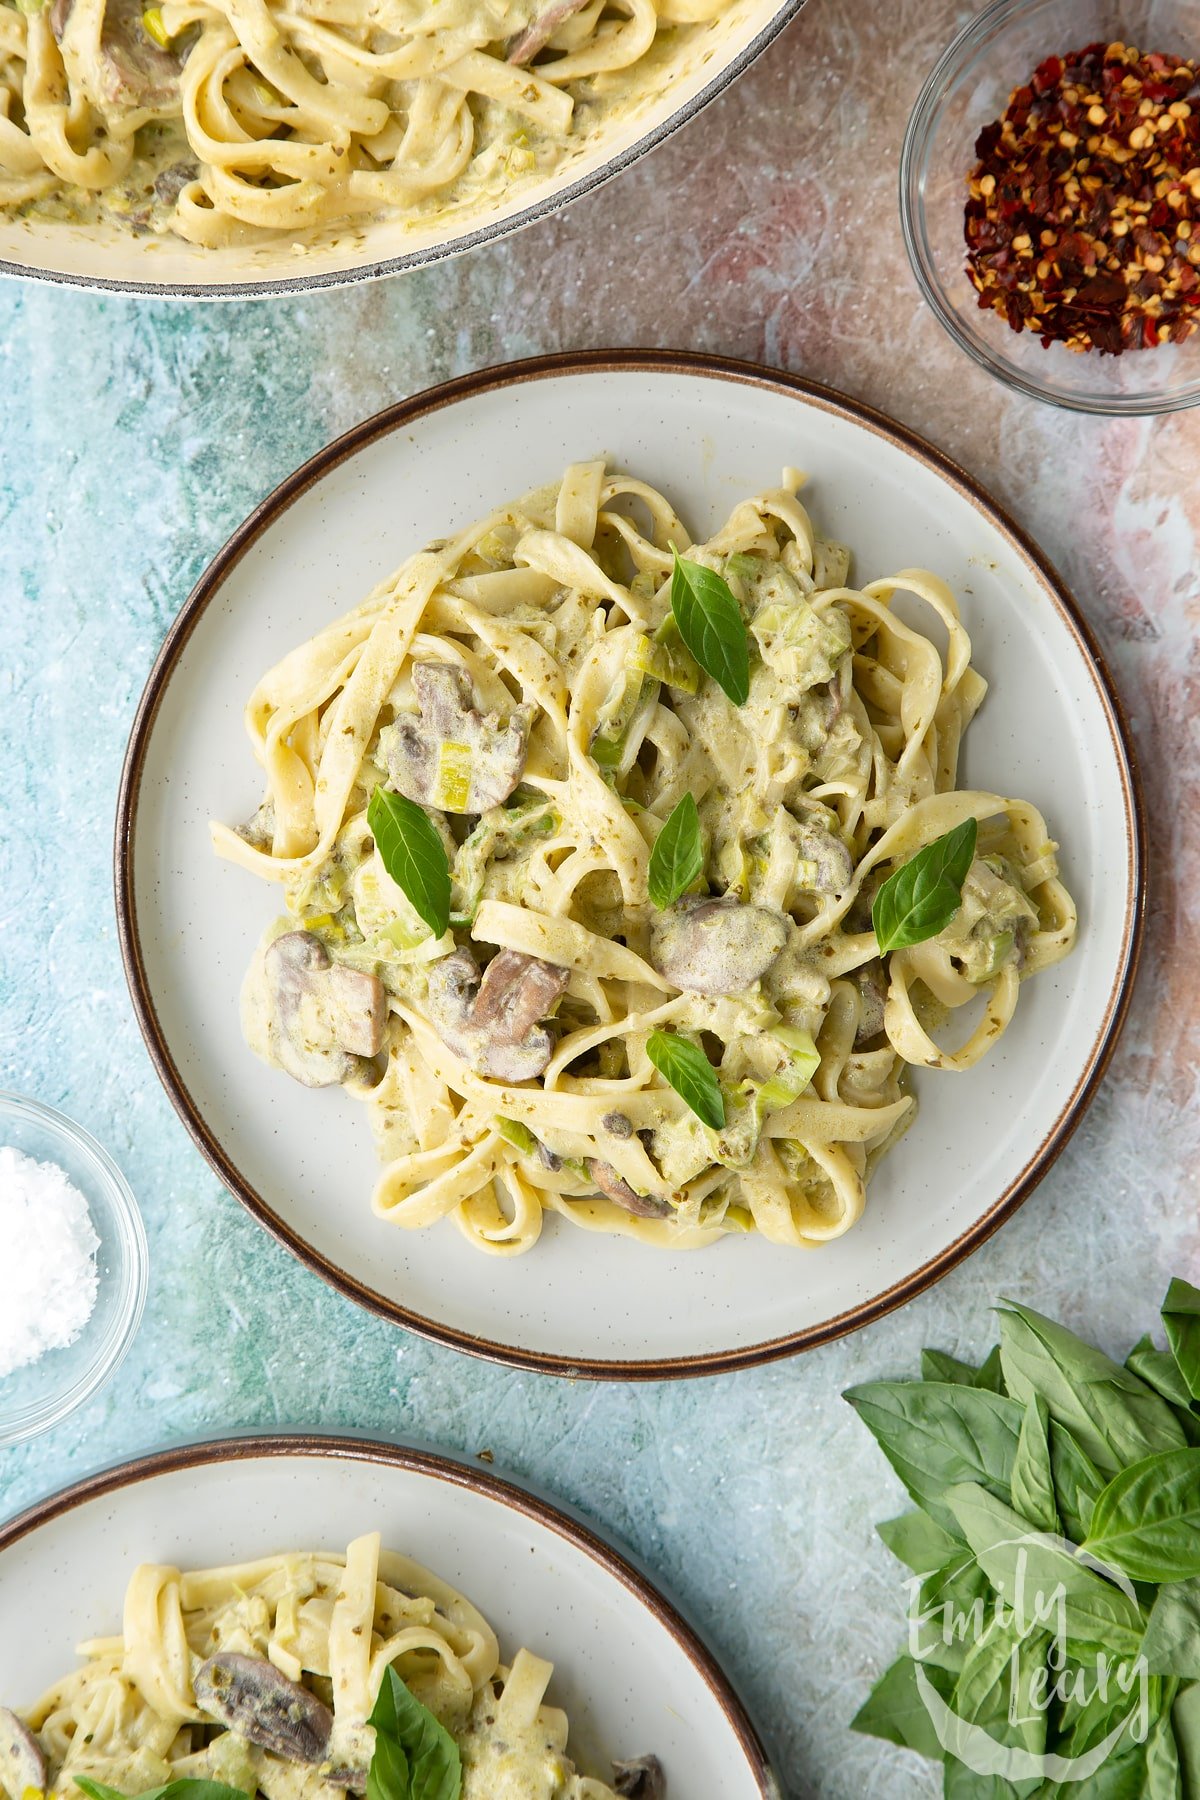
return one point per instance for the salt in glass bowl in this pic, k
(969, 87)
(42, 1393)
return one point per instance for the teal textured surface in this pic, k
(137, 435)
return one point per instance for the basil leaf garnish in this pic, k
(413, 855)
(923, 893)
(1147, 1520)
(415, 1756)
(920, 898)
(678, 854)
(711, 625)
(687, 1069)
(188, 1787)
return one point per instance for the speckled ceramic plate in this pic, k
(106, 256)
(707, 433)
(631, 1674)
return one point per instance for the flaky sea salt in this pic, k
(48, 1245)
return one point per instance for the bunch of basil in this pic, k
(415, 1758)
(1050, 1440)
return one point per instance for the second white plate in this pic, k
(631, 1674)
(707, 433)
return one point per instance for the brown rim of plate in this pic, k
(595, 362)
(565, 1524)
(543, 208)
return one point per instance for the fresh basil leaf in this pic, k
(1146, 1522)
(895, 1711)
(677, 858)
(1171, 1645)
(1121, 1776)
(1185, 1721)
(920, 898)
(1032, 1480)
(1181, 1317)
(991, 1372)
(413, 855)
(187, 1787)
(1164, 1777)
(1028, 1568)
(937, 1435)
(1115, 1418)
(938, 1365)
(919, 1542)
(1159, 1370)
(400, 1720)
(389, 1777)
(1092, 1710)
(687, 1069)
(951, 1604)
(711, 625)
(1002, 1668)
(1077, 1482)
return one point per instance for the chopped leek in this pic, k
(152, 25)
(631, 697)
(453, 785)
(667, 658)
(800, 644)
(518, 1135)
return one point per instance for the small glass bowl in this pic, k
(44, 1392)
(969, 87)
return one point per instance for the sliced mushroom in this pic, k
(132, 70)
(716, 946)
(541, 29)
(349, 1772)
(449, 754)
(324, 1020)
(641, 1778)
(250, 1696)
(169, 183)
(259, 829)
(646, 1206)
(493, 1022)
(22, 1764)
(872, 984)
(831, 859)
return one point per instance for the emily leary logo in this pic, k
(1026, 1661)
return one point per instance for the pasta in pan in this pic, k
(263, 1676)
(524, 689)
(226, 120)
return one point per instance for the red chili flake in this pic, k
(1078, 196)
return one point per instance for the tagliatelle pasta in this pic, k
(526, 684)
(263, 1676)
(224, 121)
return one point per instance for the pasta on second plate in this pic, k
(264, 1675)
(225, 120)
(525, 690)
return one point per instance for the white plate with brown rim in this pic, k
(707, 432)
(630, 1672)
